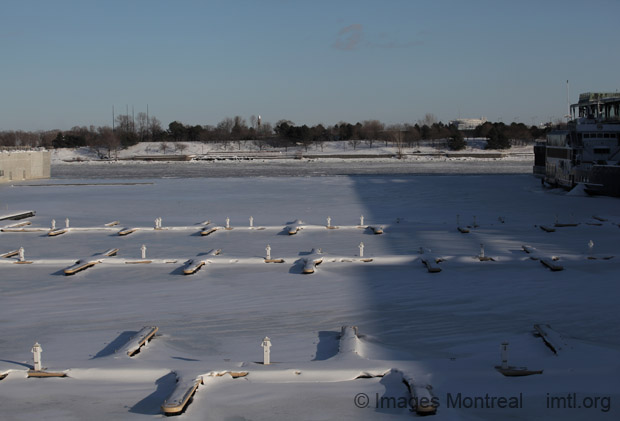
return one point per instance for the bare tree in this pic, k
(372, 130)
(180, 147)
(429, 120)
(107, 139)
(395, 133)
(155, 129)
(163, 146)
(142, 123)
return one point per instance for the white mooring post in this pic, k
(66, 222)
(143, 250)
(362, 220)
(481, 250)
(266, 350)
(475, 224)
(590, 245)
(227, 222)
(251, 221)
(53, 224)
(268, 250)
(36, 352)
(22, 254)
(329, 221)
(361, 247)
(504, 349)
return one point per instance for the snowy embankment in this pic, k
(424, 150)
(439, 331)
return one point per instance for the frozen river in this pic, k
(442, 328)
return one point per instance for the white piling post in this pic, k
(22, 254)
(66, 222)
(475, 225)
(361, 247)
(251, 222)
(481, 250)
(590, 245)
(362, 220)
(329, 221)
(227, 222)
(53, 224)
(504, 349)
(268, 250)
(143, 250)
(266, 350)
(36, 352)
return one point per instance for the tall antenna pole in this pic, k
(567, 101)
(112, 118)
(148, 122)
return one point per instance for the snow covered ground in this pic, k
(440, 329)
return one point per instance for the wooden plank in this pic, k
(17, 215)
(311, 261)
(10, 253)
(431, 264)
(422, 396)
(83, 264)
(79, 266)
(43, 374)
(127, 231)
(463, 230)
(192, 266)
(139, 340)
(19, 224)
(517, 371)
(376, 229)
(56, 232)
(207, 231)
(549, 263)
(180, 397)
(550, 337)
(546, 228)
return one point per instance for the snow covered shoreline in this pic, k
(290, 168)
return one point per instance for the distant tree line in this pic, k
(128, 131)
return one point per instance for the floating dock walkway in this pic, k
(139, 340)
(181, 395)
(82, 264)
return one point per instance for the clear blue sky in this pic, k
(66, 63)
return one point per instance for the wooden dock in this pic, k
(550, 337)
(139, 340)
(44, 374)
(16, 215)
(180, 397)
(83, 264)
